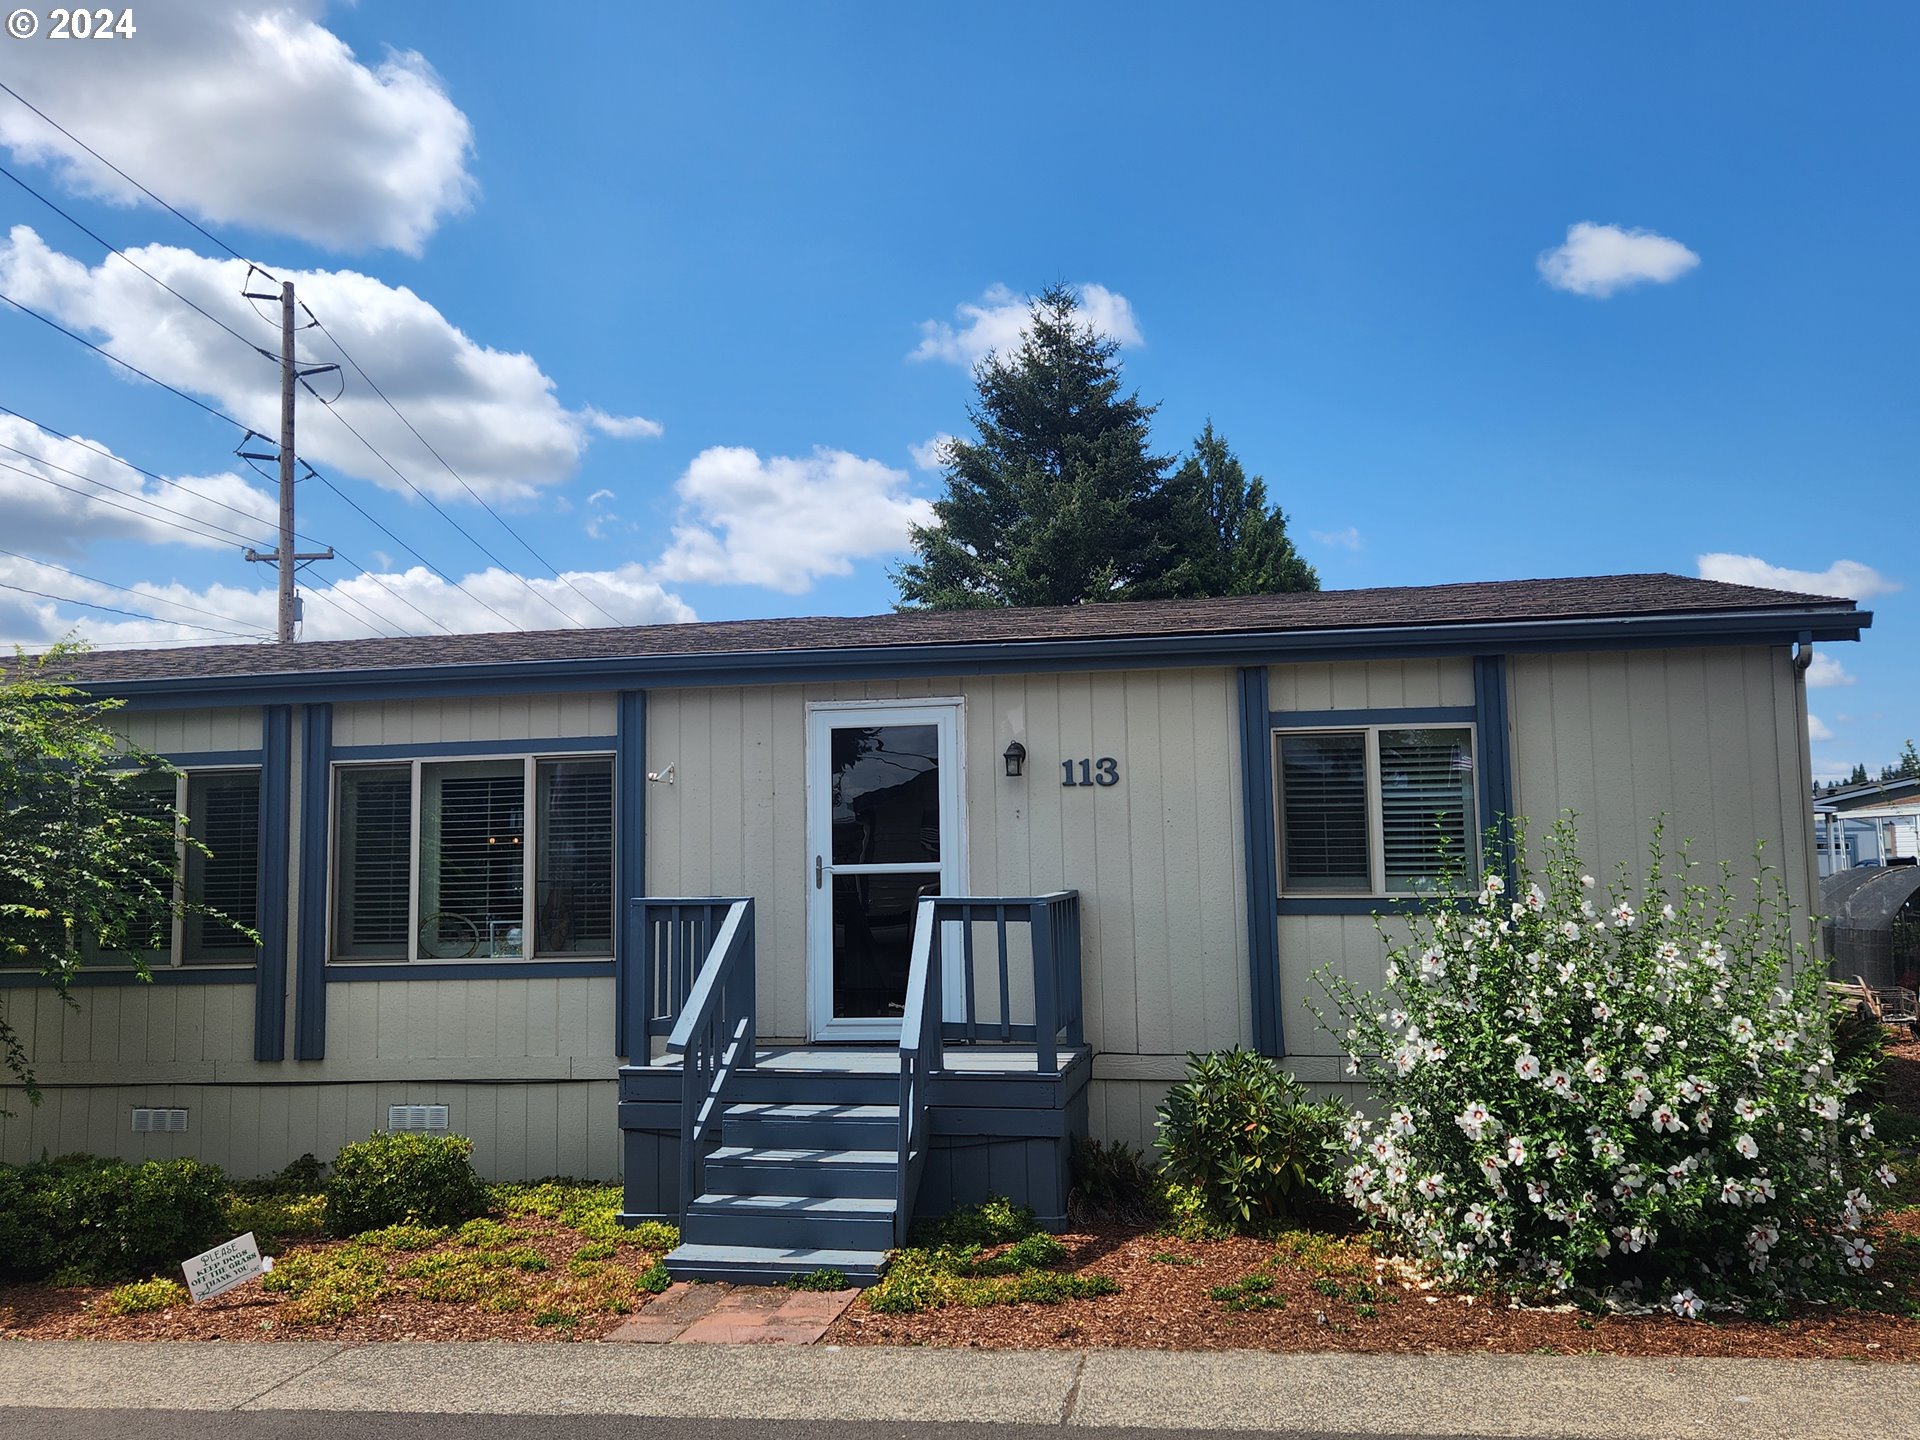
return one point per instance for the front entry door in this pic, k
(885, 826)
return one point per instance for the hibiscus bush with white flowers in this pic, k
(1622, 1090)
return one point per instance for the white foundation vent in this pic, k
(158, 1122)
(416, 1117)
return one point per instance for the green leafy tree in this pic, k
(88, 854)
(1859, 776)
(1231, 541)
(1909, 768)
(1060, 499)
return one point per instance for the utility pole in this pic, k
(284, 555)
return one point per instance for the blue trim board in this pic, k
(19, 977)
(570, 745)
(1408, 715)
(316, 781)
(630, 867)
(795, 666)
(1495, 761)
(276, 814)
(1256, 797)
(467, 970)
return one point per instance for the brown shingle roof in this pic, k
(1622, 596)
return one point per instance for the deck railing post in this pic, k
(1046, 1055)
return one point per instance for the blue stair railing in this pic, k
(714, 1036)
(1053, 924)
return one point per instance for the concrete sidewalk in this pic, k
(1494, 1395)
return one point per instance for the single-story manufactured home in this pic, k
(802, 926)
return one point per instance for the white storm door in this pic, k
(885, 827)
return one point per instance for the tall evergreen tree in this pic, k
(1060, 499)
(1231, 542)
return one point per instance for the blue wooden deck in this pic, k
(779, 1159)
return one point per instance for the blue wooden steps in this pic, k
(796, 1186)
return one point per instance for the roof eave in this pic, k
(1773, 626)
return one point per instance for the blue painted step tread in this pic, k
(770, 1155)
(824, 1206)
(758, 1263)
(869, 1114)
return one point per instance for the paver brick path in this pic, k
(730, 1315)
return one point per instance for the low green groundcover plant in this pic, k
(143, 1296)
(989, 1254)
(1622, 1091)
(1241, 1133)
(403, 1178)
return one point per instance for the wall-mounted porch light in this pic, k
(1015, 756)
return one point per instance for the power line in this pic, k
(360, 370)
(435, 505)
(135, 614)
(107, 454)
(128, 589)
(116, 250)
(222, 415)
(102, 500)
(118, 171)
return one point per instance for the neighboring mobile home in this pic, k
(1165, 817)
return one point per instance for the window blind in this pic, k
(223, 814)
(1427, 824)
(573, 872)
(375, 829)
(472, 860)
(1323, 784)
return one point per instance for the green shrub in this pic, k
(86, 1221)
(598, 1250)
(273, 1218)
(655, 1235)
(1114, 1179)
(403, 1178)
(487, 1234)
(655, 1279)
(1631, 1089)
(1037, 1251)
(995, 1221)
(144, 1295)
(1241, 1132)
(404, 1237)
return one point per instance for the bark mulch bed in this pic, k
(1321, 1293)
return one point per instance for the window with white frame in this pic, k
(1376, 809)
(436, 860)
(221, 872)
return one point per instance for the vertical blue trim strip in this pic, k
(630, 851)
(1495, 758)
(310, 1010)
(276, 798)
(1263, 897)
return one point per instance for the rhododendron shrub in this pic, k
(1622, 1089)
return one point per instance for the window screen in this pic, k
(573, 873)
(375, 825)
(1427, 825)
(223, 814)
(1323, 787)
(472, 859)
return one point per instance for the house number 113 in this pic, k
(1104, 771)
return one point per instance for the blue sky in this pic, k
(683, 293)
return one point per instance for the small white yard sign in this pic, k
(224, 1267)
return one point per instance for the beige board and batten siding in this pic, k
(1158, 858)
(1711, 739)
(502, 1054)
(1348, 945)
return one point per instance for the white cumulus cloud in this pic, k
(1846, 578)
(408, 601)
(785, 521)
(931, 453)
(491, 413)
(1817, 728)
(996, 320)
(1825, 671)
(58, 496)
(250, 113)
(1597, 260)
